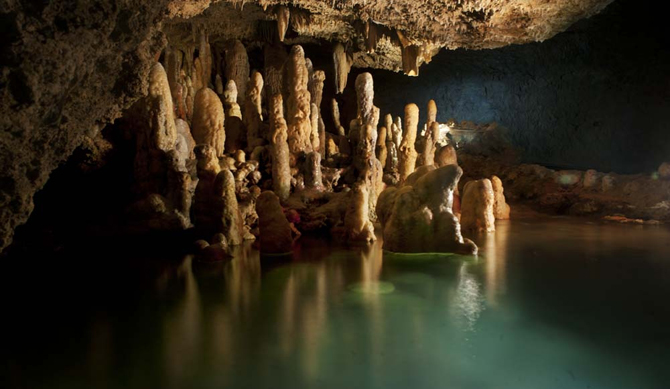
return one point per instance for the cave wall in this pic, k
(67, 69)
(596, 96)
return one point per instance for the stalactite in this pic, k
(208, 120)
(410, 63)
(237, 69)
(253, 115)
(281, 171)
(283, 15)
(342, 67)
(407, 154)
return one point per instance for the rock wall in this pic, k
(595, 96)
(67, 69)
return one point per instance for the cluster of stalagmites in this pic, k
(228, 152)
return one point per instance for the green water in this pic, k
(547, 304)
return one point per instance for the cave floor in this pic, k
(549, 303)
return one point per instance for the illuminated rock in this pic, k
(477, 206)
(501, 210)
(407, 154)
(281, 170)
(275, 230)
(208, 120)
(418, 218)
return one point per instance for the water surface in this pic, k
(552, 303)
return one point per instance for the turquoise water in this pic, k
(548, 304)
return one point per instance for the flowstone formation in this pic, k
(418, 218)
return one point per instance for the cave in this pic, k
(335, 193)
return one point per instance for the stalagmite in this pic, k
(477, 206)
(253, 115)
(298, 107)
(218, 85)
(312, 172)
(446, 155)
(357, 225)
(190, 99)
(274, 58)
(364, 97)
(407, 154)
(283, 15)
(501, 209)
(397, 132)
(428, 154)
(202, 211)
(208, 119)
(281, 171)
(336, 118)
(418, 218)
(275, 231)
(205, 56)
(235, 132)
(342, 67)
(184, 131)
(381, 146)
(229, 222)
(165, 132)
(431, 113)
(237, 69)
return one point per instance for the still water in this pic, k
(553, 303)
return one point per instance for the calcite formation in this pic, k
(253, 112)
(336, 118)
(381, 149)
(477, 205)
(281, 170)
(446, 155)
(283, 17)
(235, 130)
(237, 69)
(418, 218)
(208, 121)
(357, 225)
(428, 154)
(407, 154)
(298, 106)
(312, 170)
(501, 210)
(275, 231)
(342, 63)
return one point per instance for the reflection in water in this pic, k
(495, 256)
(331, 317)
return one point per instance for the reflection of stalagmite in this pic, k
(283, 14)
(281, 171)
(501, 209)
(208, 119)
(418, 218)
(235, 134)
(407, 154)
(275, 231)
(357, 225)
(428, 154)
(342, 67)
(298, 107)
(253, 116)
(477, 206)
(237, 69)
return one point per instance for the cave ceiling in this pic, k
(378, 33)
